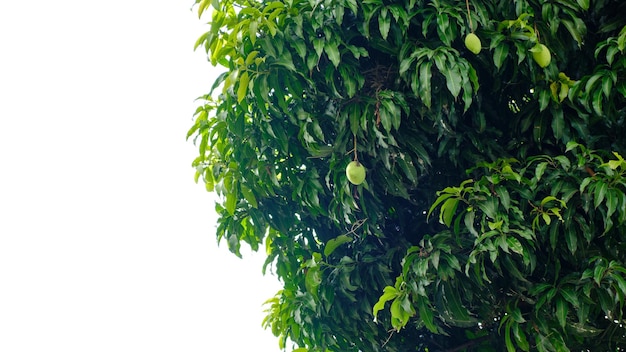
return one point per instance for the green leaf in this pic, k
(285, 60)
(541, 168)
(520, 337)
(489, 206)
(585, 182)
(614, 164)
(231, 203)
(571, 238)
(558, 124)
(448, 209)
(584, 330)
(570, 296)
(453, 262)
(405, 64)
(503, 195)
(408, 168)
(385, 118)
(249, 196)
(599, 193)
(571, 145)
(203, 6)
(434, 258)
(318, 45)
(384, 23)
(516, 315)
(584, 4)
(510, 346)
(469, 222)
(426, 315)
(597, 102)
(544, 99)
(611, 201)
(621, 283)
(253, 30)
(561, 312)
(547, 199)
(439, 200)
(515, 245)
(397, 315)
(389, 293)
(500, 54)
(546, 218)
(574, 30)
(300, 47)
(312, 280)
(349, 81)
(424, 83)
(564, 161)
(453, 78)
(563, 92)
(622, 208)
(242, 89)
(607, 85)
(332, 50)
(333, 243)
(445, 29)
(598, 274)
(455, 313)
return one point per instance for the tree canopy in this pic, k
(493, 212)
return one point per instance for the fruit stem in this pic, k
(469, 16)
(537, 33)
(356, 156)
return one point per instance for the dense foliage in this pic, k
(493, 213)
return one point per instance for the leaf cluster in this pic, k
(532, 252)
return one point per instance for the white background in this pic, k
(106, 244)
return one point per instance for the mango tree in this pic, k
(424, 175)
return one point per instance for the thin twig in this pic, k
(377, 108)
(356, 226)
(388, 338)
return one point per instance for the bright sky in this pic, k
(106, 244)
